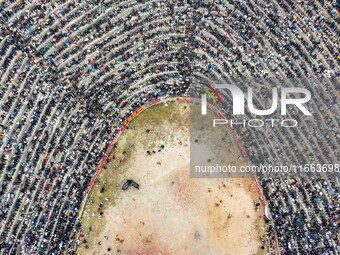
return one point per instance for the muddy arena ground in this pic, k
(171, 213)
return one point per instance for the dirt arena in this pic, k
(171, 213)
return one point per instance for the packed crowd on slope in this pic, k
(72, 71)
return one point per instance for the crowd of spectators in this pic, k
(72, 71)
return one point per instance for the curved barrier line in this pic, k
(211, 95)
(215, 92)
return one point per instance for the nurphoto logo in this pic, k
(238, 99)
